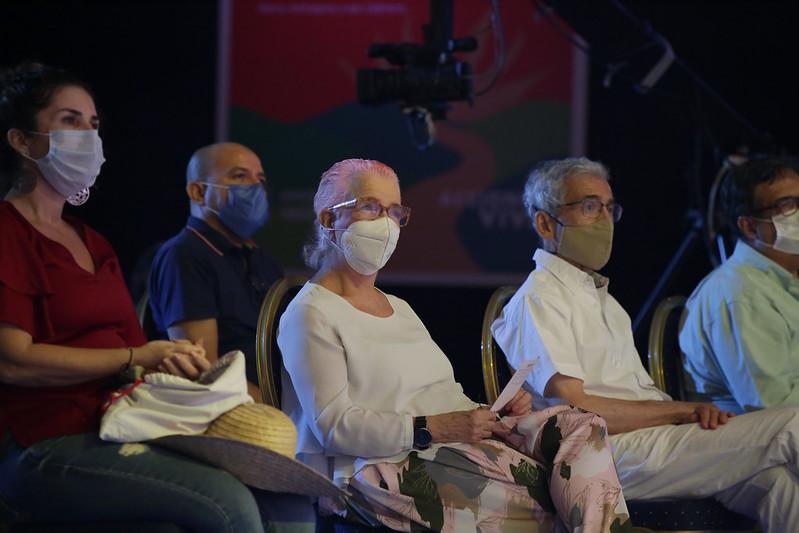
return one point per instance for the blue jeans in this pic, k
(81, 478)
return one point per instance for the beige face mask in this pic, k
(588, 246)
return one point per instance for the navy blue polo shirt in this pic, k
(199, 274)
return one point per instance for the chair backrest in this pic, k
(268, 357)
(665, 358)
(496, 371)
(145, 316)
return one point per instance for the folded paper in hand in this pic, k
(513, 385)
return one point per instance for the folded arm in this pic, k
(25, 363)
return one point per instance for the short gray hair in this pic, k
(545, 189)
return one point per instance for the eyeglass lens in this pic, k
(592, 207)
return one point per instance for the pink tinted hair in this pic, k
(334, 187)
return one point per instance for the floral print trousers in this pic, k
(555, 472)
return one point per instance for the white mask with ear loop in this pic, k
(367, 245)
(787, 227)
(72, 163)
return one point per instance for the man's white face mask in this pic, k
(787, 227)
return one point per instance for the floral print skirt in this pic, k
(554, 473)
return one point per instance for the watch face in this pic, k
(422, 438)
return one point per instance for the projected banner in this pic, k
(287, 90)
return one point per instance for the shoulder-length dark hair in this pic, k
(25, 90)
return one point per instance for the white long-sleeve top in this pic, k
(355, 381)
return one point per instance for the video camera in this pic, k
(427, 76)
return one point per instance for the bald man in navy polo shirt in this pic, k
(207, 283)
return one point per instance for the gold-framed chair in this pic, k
(142, 306)
(145, 316)
(672, 515)
(664, 355)
(666, 360)
(268, 359)
(496, 371)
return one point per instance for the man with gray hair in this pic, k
(580, 338)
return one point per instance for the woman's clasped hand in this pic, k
(181, 357)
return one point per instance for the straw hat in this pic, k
(255, 443)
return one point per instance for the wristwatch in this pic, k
(421, 435)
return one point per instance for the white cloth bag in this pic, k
(163, 404)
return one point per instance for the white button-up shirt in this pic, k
(565, 320)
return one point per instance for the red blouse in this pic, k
(44, 292)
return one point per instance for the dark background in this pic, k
(152, 67)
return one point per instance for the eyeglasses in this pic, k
(784, 206)
(592, 208)
(371, 208)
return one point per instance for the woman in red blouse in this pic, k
(67, 328)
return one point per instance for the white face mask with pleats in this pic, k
(787, 227)
(367, 245)
(72, 163)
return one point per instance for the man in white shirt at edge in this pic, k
(579, 335)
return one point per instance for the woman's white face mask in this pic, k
(73, 160)
(367, 245)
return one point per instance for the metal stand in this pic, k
(694, 234)
(702, 226)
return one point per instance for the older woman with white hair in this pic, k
(378, 409)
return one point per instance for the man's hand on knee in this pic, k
(708, 416)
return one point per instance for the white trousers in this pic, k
(751, 465)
